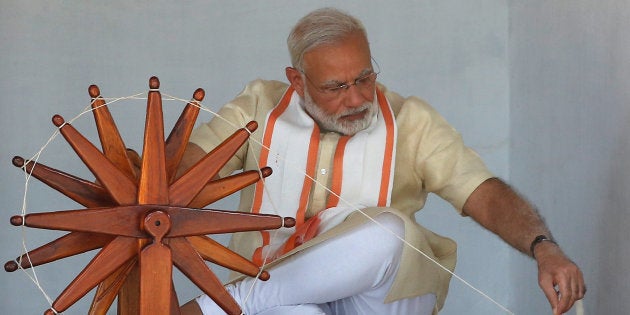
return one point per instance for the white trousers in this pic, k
(347, 275)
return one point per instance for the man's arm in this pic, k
(498, 208)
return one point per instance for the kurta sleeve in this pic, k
(443, 163)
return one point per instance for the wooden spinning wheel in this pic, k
(145, 221)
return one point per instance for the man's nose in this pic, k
(355, 97)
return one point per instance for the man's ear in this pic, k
(295, 78)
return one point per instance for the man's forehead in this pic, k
(352, 53)
(330, 72)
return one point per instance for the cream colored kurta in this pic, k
(430, 157)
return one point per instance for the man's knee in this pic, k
(386, 235)
(392, 223)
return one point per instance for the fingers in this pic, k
(551, 294)
(564, 294)
(581, 287)
(562, 284)
(574, 291)
(565, 298)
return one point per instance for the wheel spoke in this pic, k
(143, 218)
(71, 244)
(153, 187)
(108, 289)
(211, 250)
(123, 220)
(112, 256)
(178, 138)
(155, 267)
(85, 192)
(187, 222)
(189, 262)
(111, 142)
(221, 188)
(119, 186)
(192, 182)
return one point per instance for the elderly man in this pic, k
(368, 159)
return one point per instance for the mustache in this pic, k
(356, 110)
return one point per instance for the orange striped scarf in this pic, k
(362, 172)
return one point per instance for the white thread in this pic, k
(299, 169)
(274, 234)
(579, 307)
(28, 174)
(108, 101)
(356, 208)
(32, 275)
(215, 114)
(206, 109)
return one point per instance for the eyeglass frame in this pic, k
(344, 86)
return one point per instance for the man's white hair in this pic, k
(321, 27)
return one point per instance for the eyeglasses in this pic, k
(365, 83)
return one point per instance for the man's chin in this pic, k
(350, 128)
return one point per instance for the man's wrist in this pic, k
(537, 240)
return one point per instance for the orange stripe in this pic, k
(264, 151)
(264, 155)
(311, 163)
(333, 198)
(389, 148)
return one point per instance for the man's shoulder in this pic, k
(266, 88)
(411, 104)
(256, 99)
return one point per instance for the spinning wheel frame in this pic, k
(154, 218)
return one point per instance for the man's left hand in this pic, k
(559, 278)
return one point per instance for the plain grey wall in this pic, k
(452, 53)
(570, 144)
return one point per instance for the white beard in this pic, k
(330, 122)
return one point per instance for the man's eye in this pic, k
(367, 79)
(333, 89)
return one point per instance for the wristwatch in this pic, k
(539, 239)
